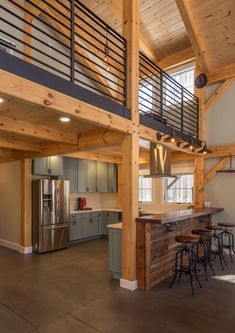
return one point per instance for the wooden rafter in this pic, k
(117, 8)
(211, 174)
(224, 73)
(95, 156)
(177, 59)
(224, 86)
(12, 125)
(193, 33)
(19, 145)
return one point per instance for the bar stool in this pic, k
(227, 233)
(185, 260)
(218, 251)
(204, 244)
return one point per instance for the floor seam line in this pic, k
(84, 322)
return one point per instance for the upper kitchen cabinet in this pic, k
(48, 166)
(102, 176)
(112, 177)
(70, 173)
(91, 176)
(81, 171)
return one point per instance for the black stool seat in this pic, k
(226, 224)
(185, 259)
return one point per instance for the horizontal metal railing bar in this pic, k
(38, 18)
(99, 20)
(36, 49)
(96, 89)
(189, 108)
(95, 38)
(110, 64)
(36, 60)
(51, 16)
(59, 12)
(97, 48)
(96, 72)
(33, 37)
(103, 68)
(100, 83)
(100, 33)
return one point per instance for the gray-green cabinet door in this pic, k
(90, 226)
(70, 173)
(115, 252)
(102, 176)
(113, 217)
(103, 230)
(91, 176)
(75, 229)
(55, 165)
(81, 175)
(112, 177)
(40, 166)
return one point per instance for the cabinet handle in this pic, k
(87, 189)
(49, 171)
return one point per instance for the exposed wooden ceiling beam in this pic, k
(177, 59)
(218, 166)
(224, 86)
(224, 73)
(193, 33)
(12, 125)
(19, 145)
(117, 8)
(95, 156)
(28, 91)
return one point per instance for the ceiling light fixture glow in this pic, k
(1, 100)
(64, 119)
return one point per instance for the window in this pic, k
(179, 190)
(173, 92)
(145, 189)
(145, 98)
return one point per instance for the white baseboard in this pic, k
(16, 247)
(130, 285)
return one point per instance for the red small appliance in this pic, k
(82, 203)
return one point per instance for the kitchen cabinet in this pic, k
(112, 177)
(48, 166)
(90, 225)
(115, 252)
(102, 176)
(81, 175)
(70, 173)
(113, 217)
(103, 221)
(91, 176)
(76, 231)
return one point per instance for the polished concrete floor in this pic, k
(71, 291)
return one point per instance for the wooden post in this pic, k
(199, 161)
(130, 147)
(26, 204)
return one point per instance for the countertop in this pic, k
(179, 215)
(115, 226)
(95, 210)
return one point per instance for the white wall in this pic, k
(10, 196)
(220, 121)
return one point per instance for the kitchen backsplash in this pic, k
(95, 200)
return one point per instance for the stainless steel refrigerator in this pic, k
(50, 215)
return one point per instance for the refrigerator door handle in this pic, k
(57, 204)
(56, 226)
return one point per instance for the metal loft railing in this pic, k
(66, 39)
(164, 104)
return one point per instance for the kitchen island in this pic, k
(155, 241)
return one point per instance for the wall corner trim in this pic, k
(130, 285)
(16, 247)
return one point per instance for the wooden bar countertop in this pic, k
(178, 216)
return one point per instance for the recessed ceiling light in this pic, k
(1, 100)
(65, 119)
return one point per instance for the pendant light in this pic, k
(204, 150)
(191, 145)
(171, 138)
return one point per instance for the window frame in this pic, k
(141, 188)
(165, 189)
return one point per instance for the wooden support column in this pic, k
(130, 148)
(199, 161)
(26, 204)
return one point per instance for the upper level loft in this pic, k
(65, 46)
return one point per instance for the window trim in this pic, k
(175, 202)
(140, 188)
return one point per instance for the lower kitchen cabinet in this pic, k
(103, 221)
(115, 252)
(76, 232)
(90, 225)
